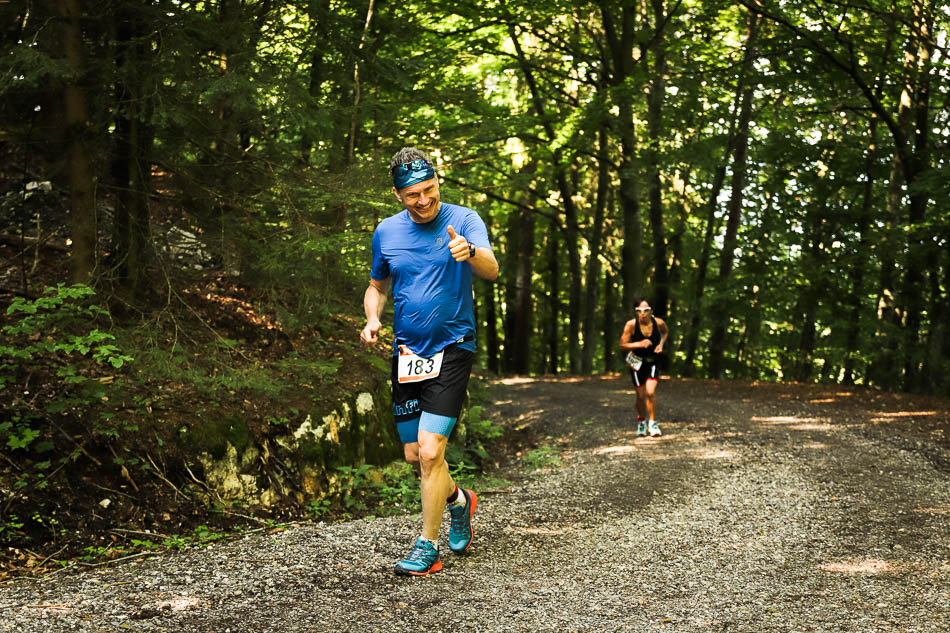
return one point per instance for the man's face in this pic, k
(421, 200)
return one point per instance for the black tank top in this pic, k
(654, 338)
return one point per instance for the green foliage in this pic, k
(94, 553)
(464, 473)
(379, 363)
(481, 430)
(10, 527)
(202, 535)
(467, 450)
(356, 485)
(212, 433)
(391, 489)
(394, 488)
(319, 507)
(308, 273)
(37, 328)
(53, 340)
(541, 458)
(217, 375)
(399, 488)
(277, 421)
(283, 168)
(43, 69)
(309, 371)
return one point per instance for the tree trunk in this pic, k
(661, 280)
(893, 310)
(702, 269)
(621, 66)
(853, 335)
(81, 178)
(937, 365)
(487, 293)
(491, 324)
(131, 165)
(882, 366)
(717, 340)
(357, 90)
(318, 11)
(806, 311)
(697, 308)
(561, 177)
(592, 284)
(572, 246)
(519, 300)
(552, 330)
(758, 263)
(913, 298)
(612, 330)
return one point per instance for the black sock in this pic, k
(455, 495)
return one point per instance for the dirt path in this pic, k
(761, 508)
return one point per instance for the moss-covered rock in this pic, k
(357, 430)
(212, 435)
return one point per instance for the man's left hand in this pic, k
(458, 246)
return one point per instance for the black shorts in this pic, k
(442, 395)
(649, 370)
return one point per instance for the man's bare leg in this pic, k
(437, 483)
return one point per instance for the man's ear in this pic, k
(396, 193)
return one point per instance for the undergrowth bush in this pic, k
(57, 378)
(467, 451)
(394, 488)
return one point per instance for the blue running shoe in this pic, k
(422, 559)
(641, 428)
(461, 533)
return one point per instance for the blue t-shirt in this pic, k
(433, 305)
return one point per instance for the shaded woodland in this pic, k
(773, 176)
(770, 174)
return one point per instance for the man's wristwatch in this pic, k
(471, 250)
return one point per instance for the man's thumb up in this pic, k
(458, 247)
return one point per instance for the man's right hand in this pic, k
(373, 301)
(370, 333)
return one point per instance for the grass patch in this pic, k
(541, 458)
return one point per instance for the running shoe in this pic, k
(461, 532)
(654, 429)
(641, 428)
(422, 559)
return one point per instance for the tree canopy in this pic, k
(769, 174)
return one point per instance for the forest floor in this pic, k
(762, 507)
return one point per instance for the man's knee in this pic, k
(431, 450)
(411, 452)
(429, 455)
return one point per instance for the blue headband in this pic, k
(410, 173)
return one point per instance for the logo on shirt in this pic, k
(438, 242)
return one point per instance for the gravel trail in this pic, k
(761, 508)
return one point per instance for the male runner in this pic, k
(643, 339)
(427, 254)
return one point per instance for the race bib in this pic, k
(634, 361)
(412, 368)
